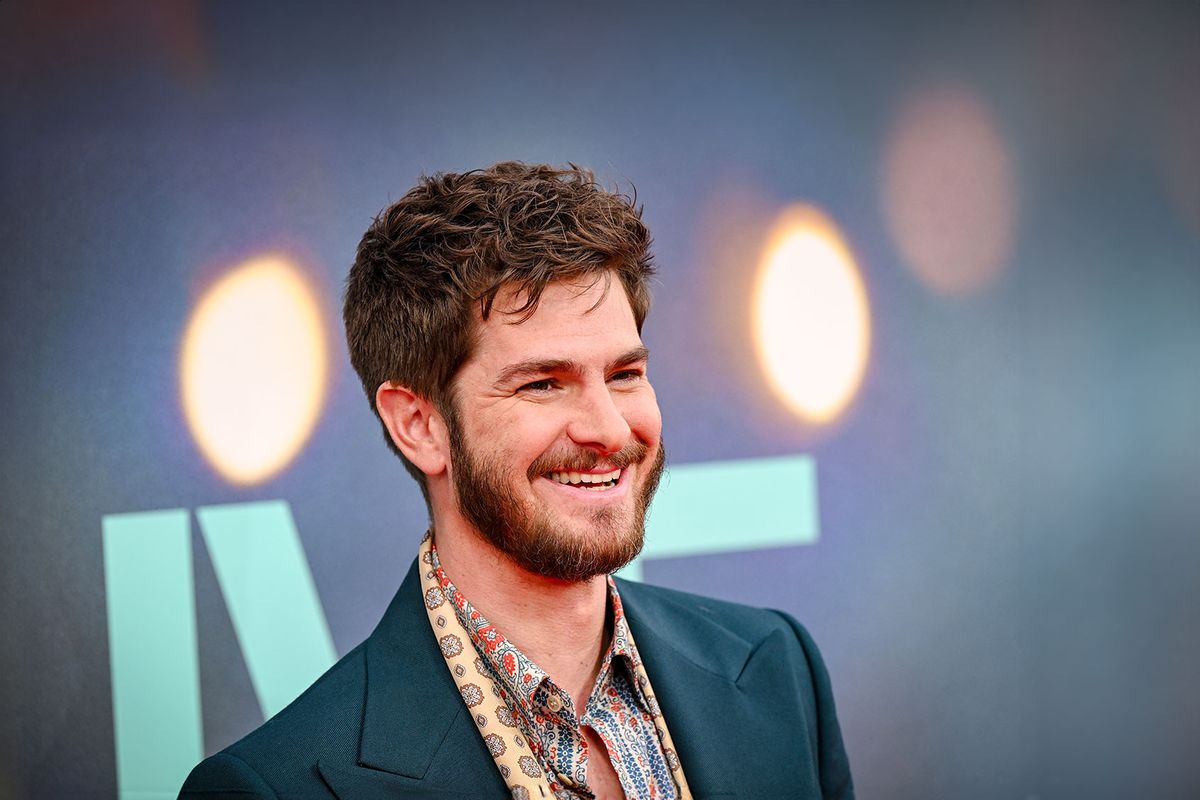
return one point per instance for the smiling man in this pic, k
(495, 320)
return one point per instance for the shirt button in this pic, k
(554, 703)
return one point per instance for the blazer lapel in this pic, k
(417, 739)
(693, 669)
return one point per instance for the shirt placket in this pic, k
(565, 754)
(602, 719)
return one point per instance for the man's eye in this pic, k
(627, 375)
(544, 385)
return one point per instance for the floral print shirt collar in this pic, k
(519, 676)
(621, 708)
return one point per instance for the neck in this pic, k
(558, 624)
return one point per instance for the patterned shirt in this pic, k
(617, 709)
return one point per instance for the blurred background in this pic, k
(948, 253)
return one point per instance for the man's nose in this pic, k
(598, 422)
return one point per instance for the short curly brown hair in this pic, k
(457, 239)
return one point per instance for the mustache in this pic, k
(582, 460)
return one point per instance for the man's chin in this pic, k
(575, 556)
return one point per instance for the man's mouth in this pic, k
(590, 481)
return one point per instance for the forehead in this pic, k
(573, 320)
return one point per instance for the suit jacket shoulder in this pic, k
(745, 693)
(320, 724)
(385, 721)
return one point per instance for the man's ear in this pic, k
(415, 426)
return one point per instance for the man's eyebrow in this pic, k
(542, 366)
(535, 366)
(641, 353)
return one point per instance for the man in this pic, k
(495, 319)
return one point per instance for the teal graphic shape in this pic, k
(723, 506)
(152, 651)
(272, 600)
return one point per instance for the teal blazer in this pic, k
(743, 690)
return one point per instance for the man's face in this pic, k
(556, 449)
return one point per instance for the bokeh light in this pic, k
(253, 369)
(812, 325)
(948, 191)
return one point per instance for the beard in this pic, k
(533, 537)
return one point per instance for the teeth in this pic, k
(590, 481)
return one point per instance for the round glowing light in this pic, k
(253, 369)
(812, 325)
(948, 191)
